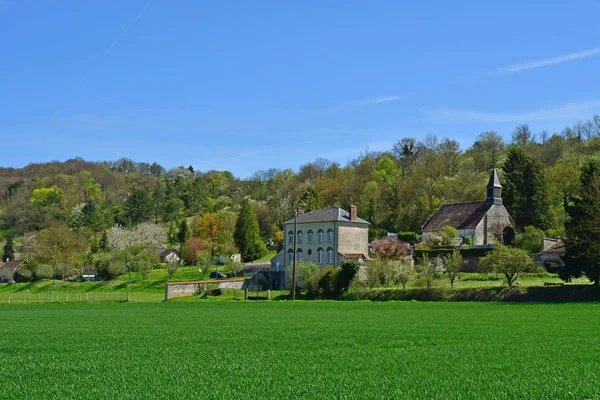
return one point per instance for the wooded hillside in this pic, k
(396, 190)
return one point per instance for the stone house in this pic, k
(551, 253)
(9, 271)
(327, 236)
(485, 222)
(170, 256)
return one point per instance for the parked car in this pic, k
(217, 275)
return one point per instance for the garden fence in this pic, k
(62, 297)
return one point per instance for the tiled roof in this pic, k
(355, 256)
(12, 264)
(559, 248)
(163, 252)
(457, 215)
(326, 215)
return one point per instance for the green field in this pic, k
(309, 350)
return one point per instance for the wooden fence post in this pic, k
(268, 294)
(246, 294)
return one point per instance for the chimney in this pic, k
(300, 212)
(352, 212)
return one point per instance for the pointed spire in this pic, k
(494, 180)
(494, 189)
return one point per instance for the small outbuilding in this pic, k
(9, 271)
(169, 256)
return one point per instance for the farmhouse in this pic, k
(485, 222)
(9, 270)
(170, 256)
(327, 236)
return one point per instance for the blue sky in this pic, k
(245, 85)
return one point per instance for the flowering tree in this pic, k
(389, 248)
(430, 269)
(145, 234)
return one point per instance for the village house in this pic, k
(551, 253)
(9, 270)
(169, 256)
(485, 222)
(327, 236)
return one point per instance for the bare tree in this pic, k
(522, 135)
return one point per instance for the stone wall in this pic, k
(180, 289)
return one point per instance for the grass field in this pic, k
(309, 350)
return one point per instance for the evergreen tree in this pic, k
(583, 228)
(9, 249)
(525, 191)
(137, 208)
(247, 234)
(183, 233)
(103, 243)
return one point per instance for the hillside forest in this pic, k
(65, 212)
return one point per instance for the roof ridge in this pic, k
(464, 202)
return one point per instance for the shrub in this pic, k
(449, 233)
(328, 282)
(468, 240)
(172, 269)
(407, 236)
(347, 273)
(390, 248)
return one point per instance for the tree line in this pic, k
(396, 190)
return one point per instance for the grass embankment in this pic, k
(150, 289)
(284, 350)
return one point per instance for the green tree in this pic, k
(453, 263)
(137, 208)
(449, 233)
(247, 234)
(430, 269)
(9, 249)
(508, 261)
(525, 190)
(583, 228)
(530, 240)
(183, 234)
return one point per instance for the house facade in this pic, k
(485, 222)
(328, 236)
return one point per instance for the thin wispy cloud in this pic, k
(376, 100)
(510, 69)
(572, 111)
(105, 54)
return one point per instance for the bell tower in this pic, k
(494, 190)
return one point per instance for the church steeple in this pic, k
(494, 190)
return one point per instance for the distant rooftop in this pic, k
(326, 215)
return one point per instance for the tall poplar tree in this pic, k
(9, 249)
(247, 234)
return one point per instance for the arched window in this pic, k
(291, 237)
(330, 256)
(330, 235)
(299, 252)
(299, 237)
(310, 236)
(290, 256)
(320, 234)
(309, 252)
(320, 255)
